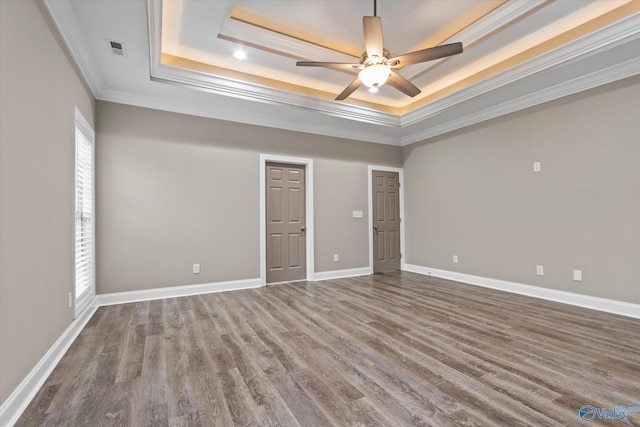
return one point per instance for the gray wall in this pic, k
(162, 178)
(39, 88)
(473, 193)
(174, 190)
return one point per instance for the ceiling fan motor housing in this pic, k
(365, 60)
(376, 62)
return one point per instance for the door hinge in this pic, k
(400, 256)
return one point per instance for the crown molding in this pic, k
(624, 31)
(566, 88)
(265, 106)
(244, 90)
(253, 92)
(620, 32)
(71, 32)
(503, 16)
(297, 120)
(286, 45)
(154, 24)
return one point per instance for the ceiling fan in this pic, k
(377, 64)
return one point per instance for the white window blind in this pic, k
(84, 217)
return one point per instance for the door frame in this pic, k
(310, 230)
(370, 170)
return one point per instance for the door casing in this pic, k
(370, 170)
(310, 229)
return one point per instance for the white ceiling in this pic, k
(179, 57)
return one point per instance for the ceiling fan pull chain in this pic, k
(375, 7)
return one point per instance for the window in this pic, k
(84, 289)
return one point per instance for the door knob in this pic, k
(375, 227)
(303, 229)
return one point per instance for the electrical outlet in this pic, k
(336, 258)
(70, 299)
(455, 259)
(537, 167)
(196, 268)
(577, 275)
(539, 270)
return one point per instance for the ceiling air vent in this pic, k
(116, 47)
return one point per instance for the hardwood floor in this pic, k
(392, 349)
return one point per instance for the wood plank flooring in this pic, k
(394, 349)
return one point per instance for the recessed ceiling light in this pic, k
(373, 89)
(240, 54)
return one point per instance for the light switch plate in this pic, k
(358, 214)
(577, 275)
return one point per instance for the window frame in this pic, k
(82, 301)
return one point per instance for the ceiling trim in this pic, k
(327, 126)
(154, 22)
(625, 30)
(503, 16)
(249, 91)
(566, 88)
(284, 44)
(254, 92)
(297, 112)
(70, 31)
(225, 85)
(600, 40)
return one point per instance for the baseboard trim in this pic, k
(595, 303)
(176, 291)
(17, 402)
(341, 274)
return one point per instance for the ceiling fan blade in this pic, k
(426, 54)
(334, 65)
(402, 84)
(373, 42)
(349, 89)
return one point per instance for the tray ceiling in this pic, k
(516, 54)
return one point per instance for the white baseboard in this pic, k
(18, 401)
(175, 291)
(341, 274)
(595, 303)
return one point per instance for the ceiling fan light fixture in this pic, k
(374, 75)
(376, 61)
